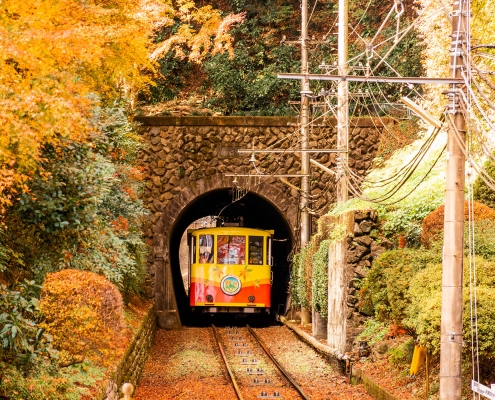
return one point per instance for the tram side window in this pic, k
(231, 249)
(269, 258)
(256, 250)
(206, 249)
(192, 250)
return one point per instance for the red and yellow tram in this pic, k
(230, 269)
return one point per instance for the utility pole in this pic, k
(342, 103)
(453, 246)
(305, 188)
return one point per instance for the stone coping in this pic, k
(110, 386)
(356, 375)
(252, 121)
(322, 348)
(359, 377)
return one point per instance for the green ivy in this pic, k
(309, 277)
(300, 284)
(320, 278)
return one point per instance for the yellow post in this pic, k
(427, 375)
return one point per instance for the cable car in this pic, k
(230, 269)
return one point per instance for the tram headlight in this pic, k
(251, 299)
(209, 298)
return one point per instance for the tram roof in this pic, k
(231, 230)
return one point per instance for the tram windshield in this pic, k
(206, 249)
(231, 249)
(256, 250)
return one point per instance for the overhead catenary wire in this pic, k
(390, 194)
(405, 168)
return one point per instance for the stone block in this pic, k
(376, 249)
(355, 255)
(159, 171)
(363, 240)
(361, 271)
(365, 226)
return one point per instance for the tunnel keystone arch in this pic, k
(167, 309)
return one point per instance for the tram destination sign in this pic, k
(485, 391)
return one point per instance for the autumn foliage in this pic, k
(433, 223)
(84, 315)
(61, 58)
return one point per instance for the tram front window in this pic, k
(206, 249)
(256, 250)
(231, 249)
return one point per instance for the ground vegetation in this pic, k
(404, 290)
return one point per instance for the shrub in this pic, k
(84, 314)
(387, 283)
(20, 338)
(424, 310)
(374, 332)
(48, 382)
(481, 191)
(484, 232)
(432, 227)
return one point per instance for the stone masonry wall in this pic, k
(183, 150)
(350, 258)
(131, 366)
(363, 246)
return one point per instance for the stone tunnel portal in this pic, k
(257, 212)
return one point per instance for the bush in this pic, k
(47, 382)
(374, 332)
(84, 314)
(424, 310)
(20, 337)
(484, 245)
(387, 283)
(432, 227)
(481, 191)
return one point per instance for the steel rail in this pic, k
(280, 368)
(231, 374)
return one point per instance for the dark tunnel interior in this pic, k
(257, 212)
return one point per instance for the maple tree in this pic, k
(61, 57)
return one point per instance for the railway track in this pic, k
(254, 372)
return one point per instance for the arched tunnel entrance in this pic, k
(257, 212)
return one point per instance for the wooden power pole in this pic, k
(342, 103)
(453, 247)
(305, 185)
(305, 189)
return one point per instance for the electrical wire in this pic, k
(397, 188)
